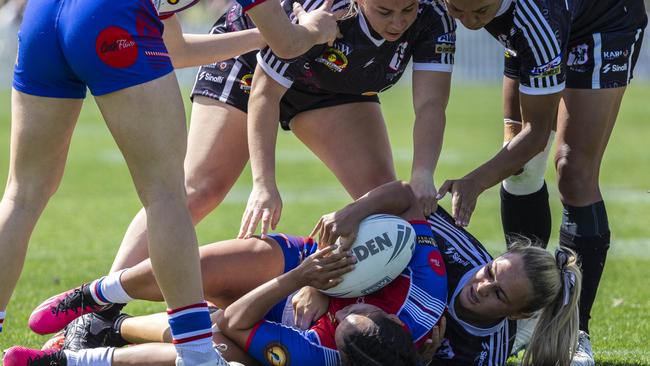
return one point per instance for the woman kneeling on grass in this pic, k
(486, 297)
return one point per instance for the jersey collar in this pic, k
(366, 30)
(505, 5)
(469, 328)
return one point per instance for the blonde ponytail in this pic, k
(556, 284)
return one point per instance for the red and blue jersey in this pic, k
(418, 297)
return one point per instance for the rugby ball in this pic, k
(168, 7)
(383, 248)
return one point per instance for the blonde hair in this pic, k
(556, 284)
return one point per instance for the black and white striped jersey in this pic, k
(361, 62)
(537, 33)
(465, 344)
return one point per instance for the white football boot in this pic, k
(584, 356)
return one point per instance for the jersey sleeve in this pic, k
(276, 344)
(427, 298)
(436, 42)
(541, 35)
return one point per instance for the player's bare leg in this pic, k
(351, 139)
(216, 155)
(585, 122)
(40, 136)
(148, 124)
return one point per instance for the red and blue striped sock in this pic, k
(191, 327)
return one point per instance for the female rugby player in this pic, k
(123, 61)
(485, 295)
(571, 62)
(331, 106)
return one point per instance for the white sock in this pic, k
(2, 319)
(109, 290)
(197, 352)
(90, 357)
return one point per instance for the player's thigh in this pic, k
(586, 119)
(352, 140)
(41, 130)
(148, 124)
(232, 268)
(217, 149)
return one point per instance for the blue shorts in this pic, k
(106, 45)
(294, 249)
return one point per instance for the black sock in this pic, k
(112, 311)
(528, 215)
(586, 231)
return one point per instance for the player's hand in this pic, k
(265, 205)
(431, 345)
(464, 194)
(425, 192)
(324, 268)
(340, 224)
(321, 22)
(308, 304)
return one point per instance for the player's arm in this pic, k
(189, 50)
(321, 270)
(430, 97)
(538, 113)
(288, 40)
(264, 202)
(395, 198)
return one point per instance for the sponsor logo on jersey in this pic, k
(510, 53)
(116, 48)
(210, 77)
(172, 2)
(614, 68)
(334, 59)
(611, 55)
(436, 263)
(398, 57)
(276, 354)
(453, 257)
(445, 48)
(245, 83)
(447, 38)
(551, 68)
(579, 55)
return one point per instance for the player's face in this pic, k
(390, 18)
(500, 289)
(474, 14)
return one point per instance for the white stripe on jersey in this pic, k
(280, 79)
(428, 301)
(598, 62)
(445, 66)
(541, 39)
(456, 238)
(629, 59)
(232, 77)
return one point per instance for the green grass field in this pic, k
(80, 230)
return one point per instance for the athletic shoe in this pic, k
(21, 356)
(584, 356)
(58, 311)
(55, 343)
(94, 331)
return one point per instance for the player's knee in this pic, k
(33, 194)
(531, 178)
(205, 194)
(574, 179)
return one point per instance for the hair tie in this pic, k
(568, 277)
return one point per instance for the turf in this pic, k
(81, 228)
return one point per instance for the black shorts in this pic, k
(596, 61)
(230, 82)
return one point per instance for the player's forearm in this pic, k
(428, 135)
(392, 198)
(202, 49)
(244, 313)
(263, 116)
(287, 40)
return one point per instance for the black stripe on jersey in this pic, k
(308, 6)
(449, 25)
(459, 241)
